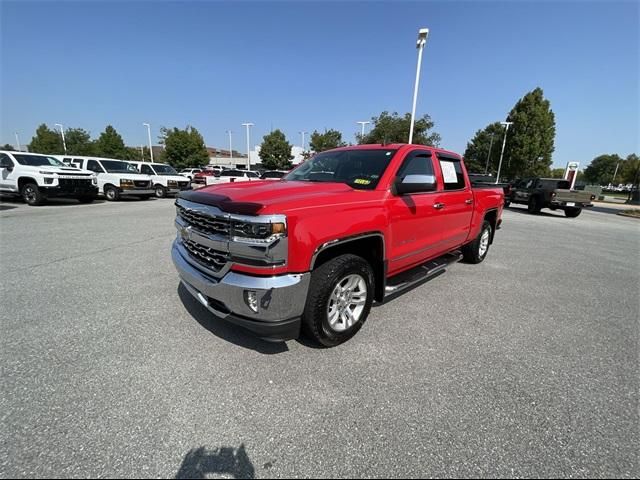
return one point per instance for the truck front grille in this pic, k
(72, 184)
(204, 223)
(210, 258)
(141, 184)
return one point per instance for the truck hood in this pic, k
(263, 196)
(58, 170)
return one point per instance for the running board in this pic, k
(408, 279)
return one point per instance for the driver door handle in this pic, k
(438, 206)
(469, 202)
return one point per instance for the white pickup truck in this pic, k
(166, 181)
(37, 177)
(117, 178)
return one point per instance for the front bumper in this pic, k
(281, 298)
(77, 191)
(575, 204)
(137, 191)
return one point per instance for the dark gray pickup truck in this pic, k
(552, 193)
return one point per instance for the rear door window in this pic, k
(94, 166)
(452, 175)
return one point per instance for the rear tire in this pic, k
(337, 286)
(32, 194)
(476, 251)
(534, 205)
(112, 193)
(572, 212)
(507, 203)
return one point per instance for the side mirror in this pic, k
(7, 165)
(414, 184)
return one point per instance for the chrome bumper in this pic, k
(140, 191)
(281, 298)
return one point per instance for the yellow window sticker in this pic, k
(362, 181)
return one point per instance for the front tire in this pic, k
(339, 300)
(32, 194)
(161, 192)
(572, 212)
(112, 193)
(476, 251)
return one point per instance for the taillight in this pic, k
(593, 197)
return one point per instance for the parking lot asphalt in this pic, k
(523, 366)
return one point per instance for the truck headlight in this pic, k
(257, 232)
(126, 183)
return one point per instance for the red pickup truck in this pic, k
(346, 228)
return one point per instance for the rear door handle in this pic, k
(438, 206)
(468, 202)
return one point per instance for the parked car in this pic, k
(201, 177)
(38, 177)
(228, 176)
(272, 175)
(345, 228)
(552, 193)
(189, 172)
(117, 178)
(166, 181)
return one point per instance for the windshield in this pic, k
(116, 166)
(357, 168)
(37, 160)
(162, 169)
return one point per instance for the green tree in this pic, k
(183, 148)
(79, 142)
(275, 151)
(530, 140)
(602, 168)
(476, 155)
(629, 169)
(392, 128)
(326, 141)
(110, 144)
(7, 147)
(46, 141)
(136, 155)
(557, 173)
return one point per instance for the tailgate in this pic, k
(577, 196)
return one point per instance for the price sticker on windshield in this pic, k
(362, 181)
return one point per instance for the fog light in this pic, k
(48, 181)
(251, 299)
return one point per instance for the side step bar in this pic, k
(408, 279)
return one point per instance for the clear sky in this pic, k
(304, 66)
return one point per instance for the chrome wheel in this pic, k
(347, 302)
(484, 243)
(111, 194)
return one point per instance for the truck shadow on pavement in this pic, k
(226, 331)
(227, 461)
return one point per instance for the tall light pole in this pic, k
(149, 135)
(230, 148)
(18, 142)
(613, 180)
(423, 33)
(64, 144)
(248, 125)
(506, 126)
(303, 133)
(363, 124)
(486, 167)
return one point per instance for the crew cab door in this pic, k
(455, 199)
(523, 190)
(414, 222)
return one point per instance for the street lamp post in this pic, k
(615, 173)
(423, 33)
(486, 167)
(230, 147)
(302, 133)
(248, 125)
(18, 142)
(64, 143)
(506, 126)
(362, 124)
(149, 135)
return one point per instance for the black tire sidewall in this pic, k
(323, 281)
(532, 205)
